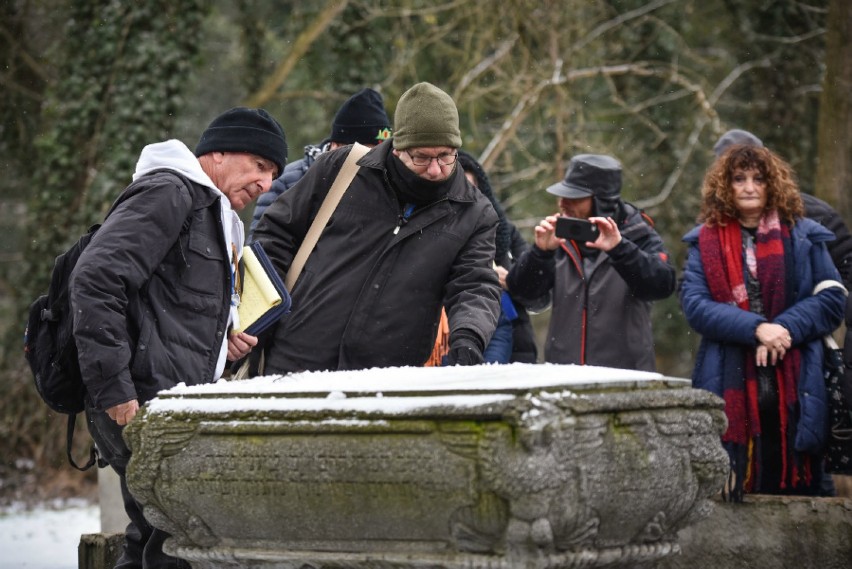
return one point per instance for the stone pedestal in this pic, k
(534, 466)
(99, 550)
(113, 517)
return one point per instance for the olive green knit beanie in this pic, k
(426, 116)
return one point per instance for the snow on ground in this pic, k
(45, 537)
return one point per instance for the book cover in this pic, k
(264, 298)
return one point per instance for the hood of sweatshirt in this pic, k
(172, 155)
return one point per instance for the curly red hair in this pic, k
(717, 194)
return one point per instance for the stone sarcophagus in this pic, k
(533, 466)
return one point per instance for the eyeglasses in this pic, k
(442, 159)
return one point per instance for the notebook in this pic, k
(264, 298)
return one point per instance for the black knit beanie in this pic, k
(245, 130)
(426, 116)
(362, 118)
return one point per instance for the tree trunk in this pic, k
(834, 172)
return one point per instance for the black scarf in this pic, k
(411, 188)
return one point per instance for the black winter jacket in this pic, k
(151, 293)
(841, 254)
(841, 248)
(524, 349)
(370, 294)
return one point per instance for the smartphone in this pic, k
(581, 230)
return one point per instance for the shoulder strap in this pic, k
(822, 285)
(629, 209)
(828, 339)
(94, 455)
(338, 188)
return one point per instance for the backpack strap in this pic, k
(94, 455)
(628, 209)
(338, 188)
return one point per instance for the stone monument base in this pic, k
(764, 532)
(497, 467)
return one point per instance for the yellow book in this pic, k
(264, 298)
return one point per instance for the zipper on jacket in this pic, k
(584, 315)
(403, 217)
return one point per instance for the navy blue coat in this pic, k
(808, 319)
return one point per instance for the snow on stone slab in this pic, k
(400, 389)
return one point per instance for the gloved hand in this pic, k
(465, 349)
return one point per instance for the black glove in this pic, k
(465, 349)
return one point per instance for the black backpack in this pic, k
(50, 348)
(49, 345)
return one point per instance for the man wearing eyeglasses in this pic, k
(409, 236)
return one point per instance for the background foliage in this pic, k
(87, 83)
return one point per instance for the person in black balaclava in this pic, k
(514, 339)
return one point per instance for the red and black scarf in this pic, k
(722, 256)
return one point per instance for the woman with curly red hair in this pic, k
(748, 289)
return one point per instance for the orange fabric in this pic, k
(442, 342)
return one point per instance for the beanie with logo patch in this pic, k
(362, 118)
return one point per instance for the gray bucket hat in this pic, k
(587, 175)
(735, 136)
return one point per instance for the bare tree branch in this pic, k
(8, 82)
(531, 96)
(791, 40)
(385, 12)
(23, 54)
(615, 22)
(484, 65)
(511, 178)
(300, 47)
(659, 100)
(510, 125)
(700, 123)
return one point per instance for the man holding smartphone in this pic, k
(602, 288)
